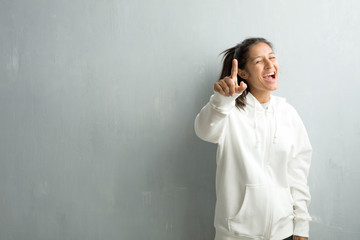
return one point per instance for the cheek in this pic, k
(255, 74)
(256, 71)
(276, 65)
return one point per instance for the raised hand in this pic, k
(228, 86)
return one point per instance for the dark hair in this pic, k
(240, 52)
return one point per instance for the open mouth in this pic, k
(269, 77)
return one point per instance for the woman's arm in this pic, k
(209, 123)
(298, 171)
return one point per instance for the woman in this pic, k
(264, 153)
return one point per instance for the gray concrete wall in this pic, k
(98, 99)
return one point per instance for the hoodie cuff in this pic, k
(301, 228)
(223, 103)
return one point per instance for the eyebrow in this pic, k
(261, 56)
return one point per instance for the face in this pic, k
(261, 71)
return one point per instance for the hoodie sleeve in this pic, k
(210, 122)
(298, 170)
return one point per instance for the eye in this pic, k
(272, 57)
(259, 61)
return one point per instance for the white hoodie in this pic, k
(263, 160)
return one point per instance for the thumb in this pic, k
(241, 87)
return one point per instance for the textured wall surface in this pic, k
(98, 99)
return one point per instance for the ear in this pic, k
(243, 74)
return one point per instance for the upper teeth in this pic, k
(270, 74)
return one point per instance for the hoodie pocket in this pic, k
(250, 221)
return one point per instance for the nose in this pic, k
(268, 64)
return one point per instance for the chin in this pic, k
(274, 88)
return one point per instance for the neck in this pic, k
(262, 97)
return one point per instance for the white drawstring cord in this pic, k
(276, 136)
(257, 141)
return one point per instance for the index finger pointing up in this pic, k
(234, 69)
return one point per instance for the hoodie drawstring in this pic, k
(276, 134)
(257, 139)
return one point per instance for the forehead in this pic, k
(260, 49)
